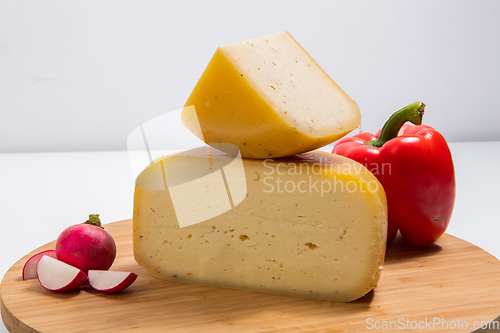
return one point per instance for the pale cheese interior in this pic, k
(326, 245)
(295, 86)
(268, 97)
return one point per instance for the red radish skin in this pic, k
(110, 281)
(29, 269)
(56, 275)
(86, 246)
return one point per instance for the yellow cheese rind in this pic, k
(321, 244)
(270, 98)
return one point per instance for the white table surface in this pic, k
(43, 193)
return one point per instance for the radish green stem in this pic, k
(94, 219)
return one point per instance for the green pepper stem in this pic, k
(94, 219)
(412, 113)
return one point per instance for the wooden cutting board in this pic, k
(451, 280)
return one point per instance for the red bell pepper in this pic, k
(415, 167)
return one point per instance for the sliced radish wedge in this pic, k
(29, 269)
(110, 281)
(56, 275)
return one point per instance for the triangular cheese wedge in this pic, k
(270, 98)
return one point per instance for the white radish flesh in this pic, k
(56, 275)
(29, 269)
(110, 281)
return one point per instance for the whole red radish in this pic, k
(86, 246)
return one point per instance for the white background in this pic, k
(81, 75)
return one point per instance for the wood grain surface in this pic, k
(449, 281)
